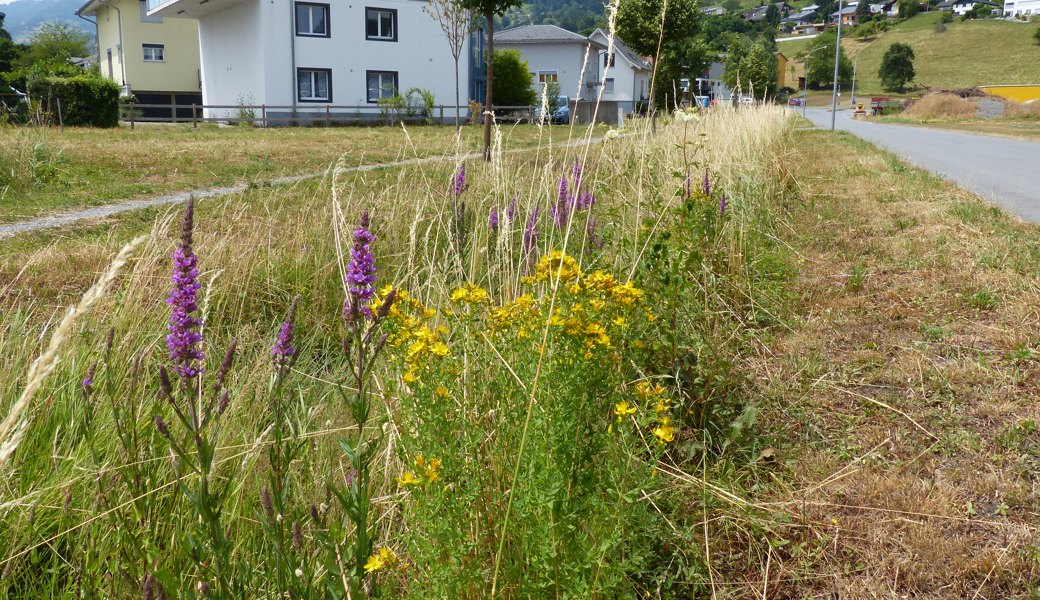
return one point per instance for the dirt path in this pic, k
(906, 391)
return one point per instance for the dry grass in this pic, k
(1029, 110)
(906, 391)
(940, 106)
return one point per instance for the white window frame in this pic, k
(306, 29)
(608, 85)
(547, 76)
(150, 53)
(313, 74)
(381, 36)
(382, 87)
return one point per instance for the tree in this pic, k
(1036, 36)
(56, 42)
(908, 8)
(512, 79)
(489, 9)
(897, 67)
(773, 15)
(455, 22)
(751, 67)
(9, 51)
(821, 65)
(675, 40)
(862, 10)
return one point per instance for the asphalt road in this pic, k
(1002, 170)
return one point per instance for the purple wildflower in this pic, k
(511, 210)
(283, 350)
(460, 180)
(561, 211)
(88, 380)
(493, 219)
(361, 273)
(184, 338)
(576, 174)
(722, 206)
(531, 236)
(586, 200)
(593, 241)
(707, 185)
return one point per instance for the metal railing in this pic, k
(265, 115)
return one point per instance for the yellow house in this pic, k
(155, 59)
(781, 70)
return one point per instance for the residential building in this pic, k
(308, 61)
(848, 16)
(1019, 8)
(889, 8)
(625, 81)
(715, 11)
(802, 17)
(154, 58)
(555, 54)
(710, 84)
(781, 70)
(963, 7)
(759, 12)
(808, 28)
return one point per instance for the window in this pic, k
(546, 76)
(381, 24)
(381, 84)
(154, 52)
(312, 20)
(608, 59)
(608, 85)
(144, 14)
(314, 85)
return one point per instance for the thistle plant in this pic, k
(198, 414)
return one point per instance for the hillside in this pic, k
(24, 16)
(965, 55)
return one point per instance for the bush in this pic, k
(897, 67)
(947, 17)
(1036, 36)
(512, 80)
(419, 103)
(937, 106)
(85, 99)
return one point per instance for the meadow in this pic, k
(454, 380)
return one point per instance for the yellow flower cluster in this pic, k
(521, 314)
(428, 471)
(470, 293)
(657, 396)
(555, 262)
(381, 559)
(409, 324)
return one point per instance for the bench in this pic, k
(880, 104)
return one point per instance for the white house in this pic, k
(626, 81)
(963, 7)
(555, 54)
(311, 59)
(1015, 8)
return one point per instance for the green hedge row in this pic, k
(85, 99)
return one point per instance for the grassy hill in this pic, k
(966, 54)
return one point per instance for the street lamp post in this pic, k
(805, 92)
(837, 63)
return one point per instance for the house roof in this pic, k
(801, 16)
(541, 34)
(848, 10)
(83, 10)
(630, 55)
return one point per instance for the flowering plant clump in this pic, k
(361, 275)
(184, 338)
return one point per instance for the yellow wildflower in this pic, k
(440, 349)
(382, 558)
(664, 430)
(409, 478)
(622, 409)
(470, 293)
(556, 263)
(441, 391)
(433, 470)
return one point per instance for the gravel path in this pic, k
(1002, 170)
(98, 212)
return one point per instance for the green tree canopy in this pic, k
(897, 67)
(512, 79)
(751, 67)
(683, 55)
(56, 42)
(821, 64)
(908, 8)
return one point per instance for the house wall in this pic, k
(179, 71)
(250, 54)
(1013, 8)
(631, 84)
(564, 58)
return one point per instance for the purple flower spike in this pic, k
(511, 210)
(707, 185)
(562, 195)
(586, 200)
(722, 206)
(460, 180)
(184, 338)
(576, 174)
(361, 273)
(493, 219)
(283, 350)
(531, 237)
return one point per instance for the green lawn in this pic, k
(44, 171)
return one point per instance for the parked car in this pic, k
(560, 116)
(796, 101)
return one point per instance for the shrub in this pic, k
(1036, 36)
(419, 103)
(936, 106)
(512, 80)
(85, 99)
(897, 67)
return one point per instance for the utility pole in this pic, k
(805, 92)
(837, 63)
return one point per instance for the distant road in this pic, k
(1002, 170)
(797, 37)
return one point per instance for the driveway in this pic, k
(1004, 171)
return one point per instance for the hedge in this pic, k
(85, 99)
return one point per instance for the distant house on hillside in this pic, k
(155, 59)
(626, 81)
(758, 13)
(889, 8)
(555, 54)
(848, 16)
(1016, 8)
(311, 61)
(963, 7)
(710, 84)
(801, 17)
(715, 11)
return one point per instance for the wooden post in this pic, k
(442, 115)
(133, 111)
(173, 107)
(263, 114)
(61, 122)
(194, 116)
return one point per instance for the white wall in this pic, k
(249, 50)
(564, 58)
